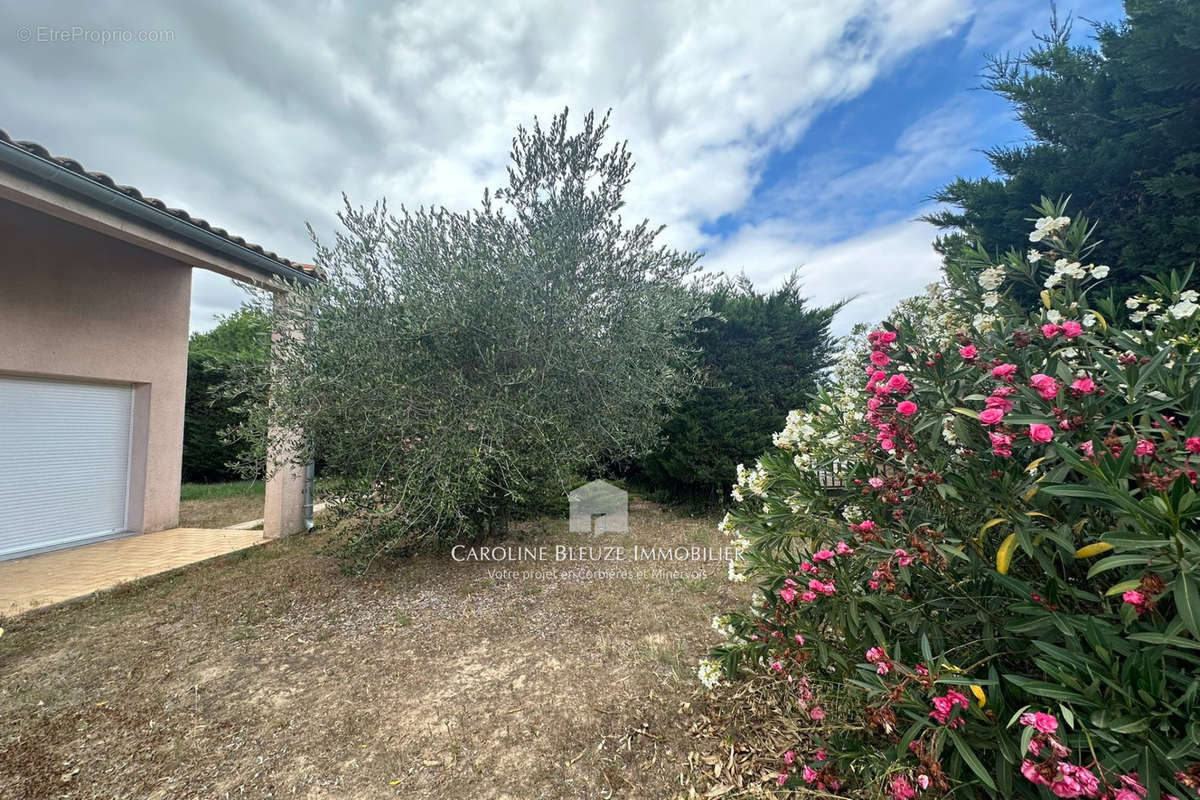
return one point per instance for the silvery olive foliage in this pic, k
(454, 367)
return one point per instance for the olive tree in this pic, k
(455, 366)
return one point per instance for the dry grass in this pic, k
(216, 505)
(271, 673)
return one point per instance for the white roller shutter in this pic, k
(64, 462)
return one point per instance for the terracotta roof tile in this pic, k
(130, 191)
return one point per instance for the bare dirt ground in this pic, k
(270, 673)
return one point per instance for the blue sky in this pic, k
(770, 136)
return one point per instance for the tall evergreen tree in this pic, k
(1116, 128)
(241, 342)
(762, 356)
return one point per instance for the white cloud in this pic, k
(878, 268)
(257, 117)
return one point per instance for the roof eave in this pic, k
(61, 177)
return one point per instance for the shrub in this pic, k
(226, 372)
(1010, 579)
(761, 356)
(459, 366)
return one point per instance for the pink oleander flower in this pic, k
(1046, 386)
(866, 526)
(823, 555)
(923, 781)
(788, 595)
(880, 358)
(1131, 782)
(906, 407)
(1001, 444)
(1134, 597)
(1050, 330)
(1029, 770)
(903, 557)
(1083, 385)
(799, 639)
(1004, 391)
(1045, 723)
(1144, 447)
(781, 779)
(808, 566)
(1071, 329)
(822, 755)
(875, 655)
(902, 789)
(876, 483)
(809, 774)
(817, 713)
(777, 666)
(1041, 433)
(1088, 448)
(969, 352)
(991, 416)
(789, 757)
(999, 401)
(827, 589)
(899, 383)
(1192, 444)
(808, 597)
(1074, 781)
(1004, 372)
(887, 444)
(843, 549)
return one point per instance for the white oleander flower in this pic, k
(990, 299)
(1189, 296)
(1033, 256)
(991, 278)
(1100, 271)
(1132, 303)
(709, 674)
(1183, 309)
(1054, 315)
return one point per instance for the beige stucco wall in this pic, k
(78, 304)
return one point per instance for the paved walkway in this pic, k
(29, 583)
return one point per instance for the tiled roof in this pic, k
(130, 191)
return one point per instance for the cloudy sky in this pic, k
(802, 133)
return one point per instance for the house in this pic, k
(95, 289)
(598, 507)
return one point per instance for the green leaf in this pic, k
(1112, 562)
(1187, 601)
(971, 759)
(1162, 638)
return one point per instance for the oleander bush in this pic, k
(1010, 580)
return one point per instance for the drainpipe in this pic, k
(309, 479)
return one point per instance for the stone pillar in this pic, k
(284, 512)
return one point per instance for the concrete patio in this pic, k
(42, 580)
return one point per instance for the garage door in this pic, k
(64, 463)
